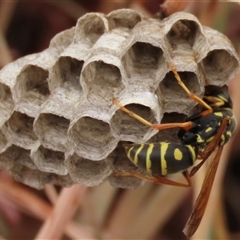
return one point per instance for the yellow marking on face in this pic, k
(218, 114)
(163, 150)
(178, 154)
(219, 100)
(148, 160)
(208, 129)
(135, 160)
(222, 98)
(200, 139)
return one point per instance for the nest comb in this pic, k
(58, 123)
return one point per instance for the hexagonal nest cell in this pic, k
(126, 126)
(91, 138)
(49, 161)
(103, 78)
(15, 155)
(86, 171)
(66, 73)
(142, 58)
(216, 68)
(58, 122)
(20, 127)
(52, 131)
(32, 84)
(6, 103)
(171, 92)
(183, 31)
(89, 29)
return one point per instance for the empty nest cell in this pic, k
(20, 126)
(32, 85)
(183, 32)
(125, 182)
(219, 65)
(60, 180)
(102, 81)
(89, 29)
(142, 59)
(87, 172)
(127, 127)
(174, 98)
(91, 138)
(30, 177)
(34, 79)
(67, 72)
(6, 103)
(49, 161)
(125, 18)
(52, 130)
(16, 155)
(37, 179)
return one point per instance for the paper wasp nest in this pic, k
(58, 123)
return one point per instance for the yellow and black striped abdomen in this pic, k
(162, 158)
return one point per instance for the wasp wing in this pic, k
(202, 199)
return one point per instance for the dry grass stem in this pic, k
(68, 202)
(112, 5)
(6, 12)
(2, 238)
(137, 209)
(126, 210)
(75, 231)
(70, 7)
(6, 56)
(139, 8)
(51, 193)
(170, 7)
(101, 199)
(24, 200)
(144, 224)
(219, 220)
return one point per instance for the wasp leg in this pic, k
(130, 113)
(155, 179)
(184, 125)
(184, 87)
(187, 177)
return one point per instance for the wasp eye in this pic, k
(189, 138)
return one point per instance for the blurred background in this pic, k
(103, 212)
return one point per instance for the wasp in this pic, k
(199, 135)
